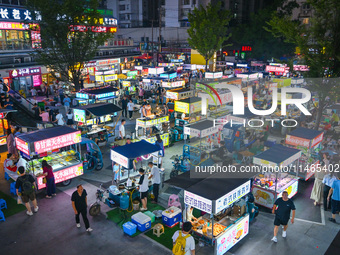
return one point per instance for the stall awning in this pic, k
(305, 133)
(277, 155)
(100, 109)
(182, 181)
(202, 125)
(122, 154)
(201, 129)
(191, 100)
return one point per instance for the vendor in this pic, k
(335, 119)
(188, 214)
(148, 109)
(116, 175)
(9, 164)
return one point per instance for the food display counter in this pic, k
(309, 142)
(162, 124)
(275, 178)
(59, 146)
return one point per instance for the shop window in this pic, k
(122, 7)
(186, 2)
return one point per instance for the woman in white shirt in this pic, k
(130, 107)
(59, 119)
(69, 116)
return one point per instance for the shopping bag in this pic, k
(19, 200)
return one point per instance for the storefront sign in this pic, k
(10, 13)
(22, 146)
(63, 175)
(225, 98)
(175, 84)
(95, 29)
(297, 141)
(150, 123)
(57, 142)
(275, 69)
(132, 73)
(82, 95)
(232, 236)
(197, 202)
(24, 72)
(168, 75)
(79, 115)
(241, 65)
(37, 81)
(176, 60)
(232, 197)
(213, 75)
(309, 172)
(126, 83)
(317, 140)
(107, 62)
(229, 63)
(120, 159)
(192, 132)
(301, 68)
(166, 64)
(157, 70)
(109, 94)
(164, 137)
(113, 77)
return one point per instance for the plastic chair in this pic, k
(3, 204)
(174, 201)
(158, 229)
(12, 189)
(2, 216)
(7, 177)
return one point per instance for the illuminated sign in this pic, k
(213, 75)
(197, 202)
(95, 29)
(302, 68)
(168, 75)
(120, 159)
(82, 95)
(9, 13)
(150, 123)
(107, 62)
(247, 48)
(63, 175)
(24, 72)
(113, 77)
(109, 94)
(126, 84)
(132, 73)
(175, 84)
(22, 146)
(275, 69)
(241, 65)
(79, 115)
(57, 142)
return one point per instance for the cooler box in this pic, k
(171, 216)
(151, 215)
(142, 221)
(129, 228)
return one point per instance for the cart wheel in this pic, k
(100, 166)
(67, 182)
(94, 209)
(173, 173)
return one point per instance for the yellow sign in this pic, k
(164, 137)
(181, 107)
(196, 107)
(150, 123)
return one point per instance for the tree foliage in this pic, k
(63, 51)
(208, 30)
(319, 46)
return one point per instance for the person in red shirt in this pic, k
(50, 181)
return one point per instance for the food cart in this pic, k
(106, 94)
(4, 125)
(59, 146)
(96, 118)
(309, 142)
(226, 221)
(161, 123)
(269, 185)
(191, 106)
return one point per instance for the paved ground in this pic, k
(52, 230)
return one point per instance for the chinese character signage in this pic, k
(63, 175)
(317, 140)
(297, 141)
(197, 202)
(132, 73)
(24, 72)
(181, 107)
(109, 94)
(57, 142)
(10, 13)
(95, 29)
(22, 146)
(232, 236)
(150, 123)
(79, 115)
(232, 197)
(120, 159)
(112, 77)
(175, 84)
(82, 95)
(126, 83)
(275, 69)
(36, 80)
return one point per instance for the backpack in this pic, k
(27, 186)
(179, 247)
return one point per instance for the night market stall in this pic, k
(190, 108)
(106, 94)
(59, 146)
(309, 142)
(276, 164)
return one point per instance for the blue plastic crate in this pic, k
(129, 228)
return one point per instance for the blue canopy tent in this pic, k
(124, 155)
(305, 133)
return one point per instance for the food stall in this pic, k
(106, 94)
(276, 164)
(161, 123)
(226, 220)
(4, 125)
(309, 142)
(179, 94)
(96, 118)
(191, 106)
(59, 146)
(130, 85)
(173, 84)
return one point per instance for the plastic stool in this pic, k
(3, 204)
(158, 229)
(12, 189)
(7, 177)
(2, 216)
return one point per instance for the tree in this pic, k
(318, 41)
(208, 30)
(62, 50)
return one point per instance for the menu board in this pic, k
(79, 115)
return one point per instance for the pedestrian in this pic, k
(69, 116)
(316, 194)
(37, 111)
(59, 119)
(8, 104)
(328, 180)
(33, 92)
(47, 92)
(124, 107)
(10, 142)
(335, 201)
(67, 102)
(165, 110)
(17, 131)
(183, 242)
(131, 107)
(61, 94)
(79, 204)
(143, 189)
(122, 130)
(44, 116)
(50, 181)
(141, 93)
(160, 144)
(116, 175)
(155, 176)
(27, 184)
(281, 209)
(142, 111)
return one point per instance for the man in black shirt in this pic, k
(79, 204)
(281, 209)
(124, 107)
